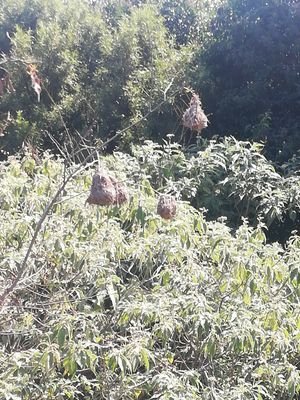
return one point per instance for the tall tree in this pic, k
(252, 79)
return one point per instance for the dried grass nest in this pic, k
(166, 206)
(106, 190)
(194, 117)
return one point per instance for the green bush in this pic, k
(96, 78)
(116, 303)
(229, 179)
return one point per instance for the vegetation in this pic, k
(230, 179)
(96, 78)
(116, 303)
(104, 64)
(252, 80)
(183, 280)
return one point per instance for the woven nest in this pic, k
(121, 192)
(166, 207)
(103, 192)
(194, 117)
(107, 191)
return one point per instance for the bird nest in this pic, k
(121, 192)
(166, 206)
(107, 191)
(194, 117)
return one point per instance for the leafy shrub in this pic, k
(228, 178)
(117, 303)
(95, 78)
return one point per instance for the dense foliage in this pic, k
(229, 179)
(104, 64)
(114, 302)
(118, 304)
(95, 77)
(251, 83)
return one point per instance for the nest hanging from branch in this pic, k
(107, 191)
(166, 206)
(36, 82)
(103, 192)
(121, 192)
(194, 117)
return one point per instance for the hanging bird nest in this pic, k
(121, 192)
(194, 117)
(106, 190)
(36, 81)
(103, 192)
(166, 206)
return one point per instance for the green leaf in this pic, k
(145, 358)
(61, 336)
(69, 364)
(294, 273)
(112, 294)
(247, 297)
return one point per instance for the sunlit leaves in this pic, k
(117, 301)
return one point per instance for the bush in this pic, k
(95, 78)
(229, 179)
(118, 303)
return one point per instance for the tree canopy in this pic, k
(252, 76)
(104, 64)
